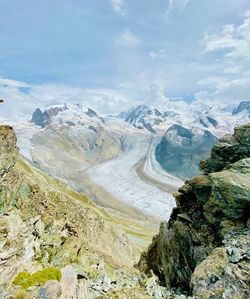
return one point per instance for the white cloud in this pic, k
(235, 40)
(233, 69)
(231, 43)
(223, 84)
(155, 93)
(177, 4)
(158, 55)
(225, 91)
(119, 7)
(128, 39)
(20, 104)
(12, 83)
(103, 101)
(17, 103)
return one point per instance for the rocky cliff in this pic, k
(55, 243)
(204, 249)
(44, 118)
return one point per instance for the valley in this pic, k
(127, 179)
(88, 195)
(130, 164)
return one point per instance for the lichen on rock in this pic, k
(26, 280)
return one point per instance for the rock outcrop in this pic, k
(8, 150)
(204, 249)
(206, 121)
(44, 118)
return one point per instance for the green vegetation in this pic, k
(26, 280)
(22, 294)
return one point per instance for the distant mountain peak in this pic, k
(181, 149)
(44, 118)
(243, 106)
(65, 114)
(180, 131)
(143, 117)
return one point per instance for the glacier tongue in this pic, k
(119, 177)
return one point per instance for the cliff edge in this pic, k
(204, 249)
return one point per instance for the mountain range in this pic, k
(200, 116)
(121, 161)
(200, 121)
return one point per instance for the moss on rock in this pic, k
(26, 280)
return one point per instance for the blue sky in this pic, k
(119, 52)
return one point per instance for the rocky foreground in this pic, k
(56, 244)
(204, 249)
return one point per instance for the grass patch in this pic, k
(26, 280)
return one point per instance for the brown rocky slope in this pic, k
(55, 243)
(204, 249)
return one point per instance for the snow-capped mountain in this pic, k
(143, 117)
(147, 118)
(214, 119)
(44, 118)
(67, 115)
(181, 149)
(124, 157)
(243, 107)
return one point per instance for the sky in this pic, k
(114, 54)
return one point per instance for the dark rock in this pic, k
(229, 149)
(92, 113)
(40, 118)
(70, 123)
(207, 120)
(203, 123)
(212, 121)
(43, 119)
(92, 129)
(204, 247)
